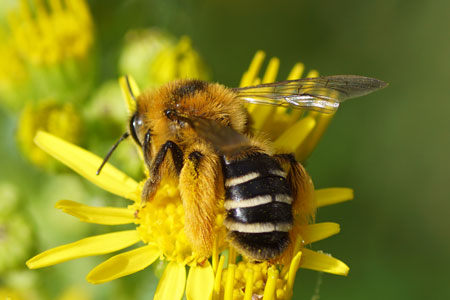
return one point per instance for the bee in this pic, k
(216, 159)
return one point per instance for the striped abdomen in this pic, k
(258, 203)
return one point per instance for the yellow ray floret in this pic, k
(124, 264)
(322, 262)
(97, 215)
(319, 231)
(96, 245)
(86, 164)
(172, 282)
(291, 274)
(329, 196)
(200, 282)
(292, 138)
(130, 91)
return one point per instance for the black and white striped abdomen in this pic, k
(258, 203)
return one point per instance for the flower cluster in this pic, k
(46, 51)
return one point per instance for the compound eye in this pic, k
(135, 127)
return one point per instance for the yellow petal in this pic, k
(95, 245)
(86, 164)
(296, 71)
(249, 76)
(293, 137)
(260, 114)
(130, 91)
(271, 71)
(319, 231)
(218, 278)
(322, 122)
(229, 282)
(200, 282)
(269, 289)
(97, 215)
(249, 280)
(171, 284)
(312, 74)
(322, 262)
(124, 264)
(330, 196)
(293, 267)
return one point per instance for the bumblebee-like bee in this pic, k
(216, 159)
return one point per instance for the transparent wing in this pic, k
(224, 139)
(323, 94)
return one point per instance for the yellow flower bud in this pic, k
(175, 62)
(60, 119)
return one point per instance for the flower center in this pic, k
(161, 222)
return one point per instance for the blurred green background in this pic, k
(391, 147)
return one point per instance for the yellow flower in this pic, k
(46, 51)
(155, 57)
(60, 119)
(159, 226)
(178, 61)
(140, 49)
(45, 37)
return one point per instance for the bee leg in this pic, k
(200, 192)
(152, 183)
(303, 206)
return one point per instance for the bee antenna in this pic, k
(127, 80)
(124, 136)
